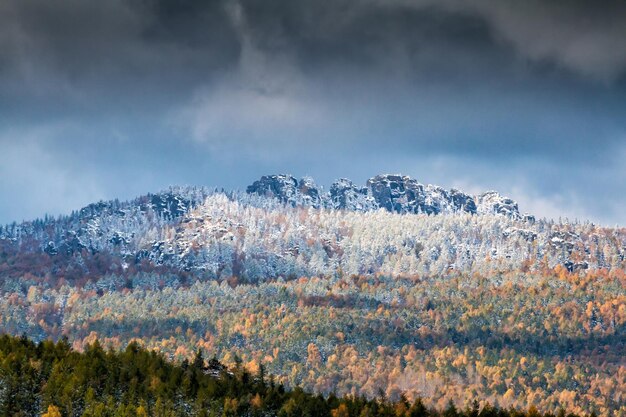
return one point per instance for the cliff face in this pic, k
(394, 193)
(289, 190)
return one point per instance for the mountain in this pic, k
(391, 225)
(392, 287)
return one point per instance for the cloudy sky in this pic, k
(117, 98)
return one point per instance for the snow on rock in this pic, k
(345, 195)
(491, 202)
(289, 190)
(392, 192)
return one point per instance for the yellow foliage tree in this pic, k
(53, 411)
(341, 411)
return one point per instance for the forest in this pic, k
(50, 379)
(512, 312)
(208, 235)
(552, 340)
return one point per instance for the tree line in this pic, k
(50, 379)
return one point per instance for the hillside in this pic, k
(394, 287)
(284, 232)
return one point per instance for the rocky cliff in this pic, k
(394, 193)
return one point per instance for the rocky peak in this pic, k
(436, 200)
(289, 190)
(392, 192)
(279, 186)
(345, 195)
(403, 194)
(397, 193)
(494, 203)
(310, 194)
(462, 202)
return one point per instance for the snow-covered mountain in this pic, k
(284, 227)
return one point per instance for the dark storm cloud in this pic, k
(116, 98)
(87, 52)
(398, 65)
(574, 35)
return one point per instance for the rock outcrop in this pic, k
(491, 202)
(347, 196)
(289, 190)
(402, 194)
(395, 193)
